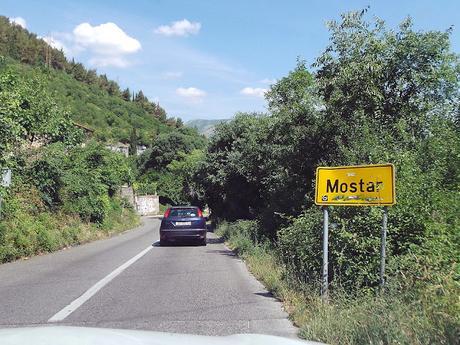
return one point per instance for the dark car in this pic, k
(183, 223)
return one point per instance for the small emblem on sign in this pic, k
(324, 198)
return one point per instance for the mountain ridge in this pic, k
(205, 126)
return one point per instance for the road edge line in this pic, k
(77, 303)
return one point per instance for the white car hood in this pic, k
(64, 335)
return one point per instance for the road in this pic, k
(180, 289)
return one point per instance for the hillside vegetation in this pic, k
(92, 99)
(66, 184)
(62, 193)
(375, 95)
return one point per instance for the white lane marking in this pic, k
(74, 305)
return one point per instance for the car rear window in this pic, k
(183, 212)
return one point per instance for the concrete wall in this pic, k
(128, 193)
(148, 204)
(143, 204)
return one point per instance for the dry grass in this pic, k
(367, 319)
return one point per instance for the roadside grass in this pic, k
(27, 232)
(365, 319)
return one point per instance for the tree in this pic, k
(371, 77)
(168, 147)
(103, 82)
(78, 71)
(140, 98)
(91, 76)
(183, 170)
(293, 92)
(126, 94)
(257, 165)
(113, 88)
(29, 114)
(378, 95)
(133, 142)
(58, 60)
(158, 112)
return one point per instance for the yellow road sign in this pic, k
(363, 185)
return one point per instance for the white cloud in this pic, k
(191, 93)
(179, 28)
(107, 61)
(253, 91)
(171, 75)
(268, 81)
(108, 43)
(19, 21)
(105, 39)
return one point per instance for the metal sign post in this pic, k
(324, 280)
(382, 248)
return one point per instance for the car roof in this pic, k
(183, 207)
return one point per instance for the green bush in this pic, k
(395, 317)
(81, 180)
(26, 231)
(377, 95)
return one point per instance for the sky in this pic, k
(206, 59)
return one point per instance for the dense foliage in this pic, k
(65, 186)
(47, 99)
(168, 166)
(55, 119)
(81, 180)
(63, 191)
(376, 95)
(28, 115)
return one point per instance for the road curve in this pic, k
(180, 289)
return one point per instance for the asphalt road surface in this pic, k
(126, 282)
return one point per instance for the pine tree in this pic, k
(113, 88)
(140, 98)
(126, 94)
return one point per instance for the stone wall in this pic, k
(128, 193)
(148, 204)
(143, 204)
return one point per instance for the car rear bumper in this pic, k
(176, 234)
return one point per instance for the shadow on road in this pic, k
(222, 252)
(178, 244)
(265, 294)
(210, 227)
(214, 240)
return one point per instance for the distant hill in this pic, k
(205, 127)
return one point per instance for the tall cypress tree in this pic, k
(133, 142)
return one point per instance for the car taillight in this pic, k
(168, 211)
(200, 214)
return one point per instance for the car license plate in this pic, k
(183, 223)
